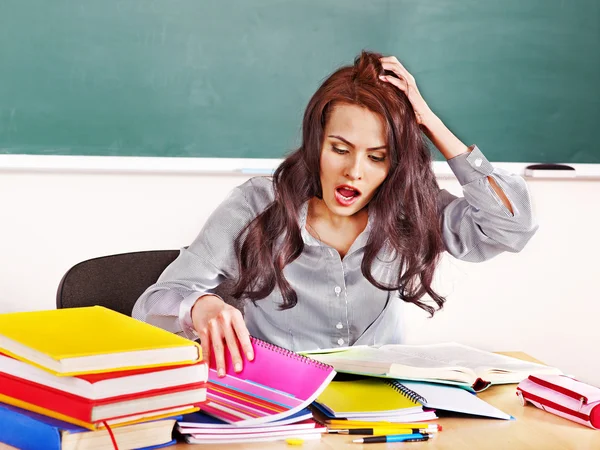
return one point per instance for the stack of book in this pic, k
(267, 400)
(94, 379)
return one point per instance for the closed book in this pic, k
(71, 408)
(75, 341)
(119, 422)
(27, 430)
(108, 384)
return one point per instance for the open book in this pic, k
(448, 363)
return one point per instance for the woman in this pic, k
(351, 226)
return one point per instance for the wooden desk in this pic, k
(533, 429)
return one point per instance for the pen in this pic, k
(382, 431)
(395, 438)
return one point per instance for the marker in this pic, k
(550, 171)
(378, 425)
(395, 438)
(345, 424)
(382, 431)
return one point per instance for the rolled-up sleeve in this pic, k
(479, 226)
(200, 268)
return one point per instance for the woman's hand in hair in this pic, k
(407, 84)
(219, 324)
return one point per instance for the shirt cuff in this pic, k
(470, 166)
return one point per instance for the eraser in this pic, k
(550, 171)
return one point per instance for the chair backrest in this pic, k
(114, 281)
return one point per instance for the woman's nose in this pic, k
(354, 170)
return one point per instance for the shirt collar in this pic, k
(309, 239)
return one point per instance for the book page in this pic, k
(383, 357)
(453, 354)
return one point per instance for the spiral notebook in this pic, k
(276, 384)
(367, 397)
(377, 397)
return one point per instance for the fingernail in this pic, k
(382, 77)
(250, 356)
(221, 373)
(238, 367)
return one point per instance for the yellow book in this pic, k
(361, 398)
(129, 420)
(76, 341)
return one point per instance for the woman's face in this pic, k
(354, 158)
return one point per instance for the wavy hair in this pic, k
(404, 208)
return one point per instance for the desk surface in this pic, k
(533, 429)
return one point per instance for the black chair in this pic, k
(114, 281)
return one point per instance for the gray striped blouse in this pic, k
(336, 305)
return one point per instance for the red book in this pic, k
(109, 384)
(94, 411)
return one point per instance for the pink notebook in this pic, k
(275, 385)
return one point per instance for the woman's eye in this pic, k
(377, 158)
(341, 151)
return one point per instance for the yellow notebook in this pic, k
(372, 396)
(75, 341)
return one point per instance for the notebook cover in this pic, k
(280, 369)
(72, 405)
(80, 332)
(453, 399)
(283, 382)
(363, 397)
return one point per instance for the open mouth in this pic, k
(346, 195)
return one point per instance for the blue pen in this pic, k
(415, 437)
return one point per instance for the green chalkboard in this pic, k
(231, 78)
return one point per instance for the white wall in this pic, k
(543, 301)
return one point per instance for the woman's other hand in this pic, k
(217, 324)
(407, 84)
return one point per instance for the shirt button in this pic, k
(478, 162)
(340, 341)
(338, 289)
(339, 326)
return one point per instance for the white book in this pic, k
(448, 363)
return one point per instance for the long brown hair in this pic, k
(404, 209)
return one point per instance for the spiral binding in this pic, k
(412, 395)
(290, 354)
